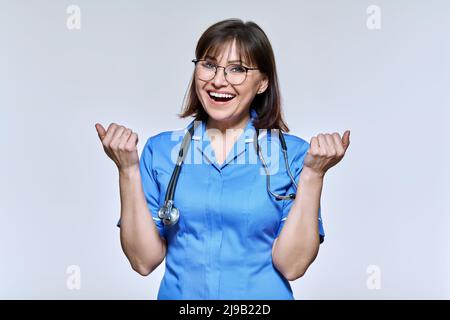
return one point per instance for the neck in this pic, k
(223, 126)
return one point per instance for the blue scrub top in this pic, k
(221, 247)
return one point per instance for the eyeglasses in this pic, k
(234, 73)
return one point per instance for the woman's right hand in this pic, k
(120, 144)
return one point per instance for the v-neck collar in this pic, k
(202, 143)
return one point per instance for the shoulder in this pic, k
(162, 148)
(297, 148)
(295, 143)
(165, 139)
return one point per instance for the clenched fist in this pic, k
(325, 151)
(120, 144)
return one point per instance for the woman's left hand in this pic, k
(325, 151)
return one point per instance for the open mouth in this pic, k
(221, 97)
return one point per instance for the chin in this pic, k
(219, 114)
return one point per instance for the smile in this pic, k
(220, 97)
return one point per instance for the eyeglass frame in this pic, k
(216, 66)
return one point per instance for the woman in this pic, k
(233, 239)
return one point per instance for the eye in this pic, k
(236, 68)
(208, 65)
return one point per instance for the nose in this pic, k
(219, 79)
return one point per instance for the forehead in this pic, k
(229, 51)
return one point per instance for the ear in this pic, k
(264, 83)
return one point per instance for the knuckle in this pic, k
(113, 145)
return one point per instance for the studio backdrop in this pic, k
(379, 68)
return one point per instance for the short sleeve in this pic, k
(296, 166)
(150, 185)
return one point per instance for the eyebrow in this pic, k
(230, 61)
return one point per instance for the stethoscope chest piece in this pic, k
(169, 214)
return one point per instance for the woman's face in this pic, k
(243, 94)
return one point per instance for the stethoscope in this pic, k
(170, 215)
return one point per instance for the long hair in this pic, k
(252, 44)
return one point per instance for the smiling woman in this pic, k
(237, 231)
(244, 54)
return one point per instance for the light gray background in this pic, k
(385, 204)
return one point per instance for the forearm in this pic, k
(139, 236)
(298, 243)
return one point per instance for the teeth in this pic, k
(220, 95)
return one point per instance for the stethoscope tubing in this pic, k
(170, 214)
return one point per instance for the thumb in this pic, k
(346, 139)
(100, 130)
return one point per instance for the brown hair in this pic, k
(253, 44)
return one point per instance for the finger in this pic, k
(323, 149)
(109, 133)
(346, 140)
(330, 143)
(124, 138)
(100, 131)
(116, 138)
(314, 145)
(338, 144)
(132, 141)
